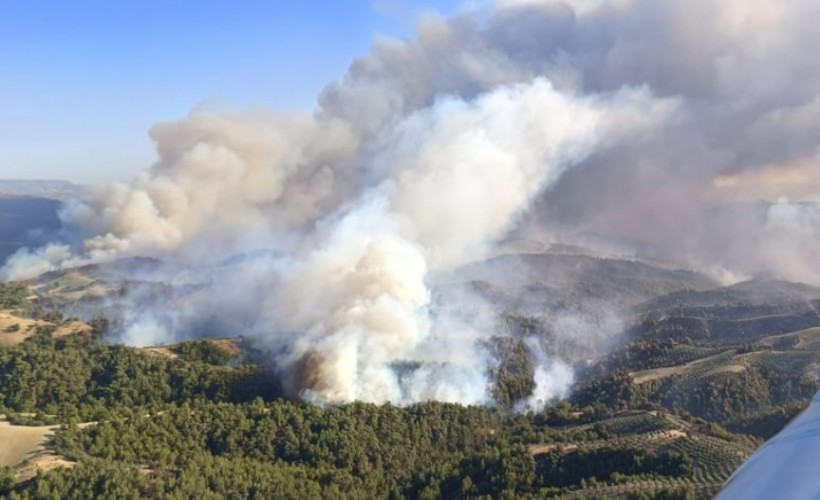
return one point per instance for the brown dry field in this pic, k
(29, 326)
(30, 449)
(231, 346)
(160, 351)
(20, 442)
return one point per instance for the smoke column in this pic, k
(462, 172)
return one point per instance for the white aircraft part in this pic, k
(786, 466)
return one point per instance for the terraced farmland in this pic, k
(704, 460)
(692, 370)
(640, 423)
(792, 362)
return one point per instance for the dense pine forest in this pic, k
(189, 428)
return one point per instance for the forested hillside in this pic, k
(175, 427)
(193, 426)
(669, 413)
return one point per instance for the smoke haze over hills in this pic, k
(652, 123)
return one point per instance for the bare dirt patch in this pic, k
(41, 462)
(20, 443)
(30, 449)
(14, 330)
(23, 328)
(563, 448)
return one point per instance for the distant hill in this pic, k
(551, 277)
(26, 222)
(52, 189)
(745, 312)
(581, 300)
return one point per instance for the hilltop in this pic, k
(26, 222)
(49, 189)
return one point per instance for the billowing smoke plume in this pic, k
(457, 176)
(626, 122)
(430, 191)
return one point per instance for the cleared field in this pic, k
(804, 340)
(709, 365)
(72, 328)
(39, 463)
(30, 449)
(230, 346)
(21, 443)
(163, 351)
(14, 330)
(682, 354)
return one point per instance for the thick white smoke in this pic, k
(430, 150)
(434, 190)
(457, 176)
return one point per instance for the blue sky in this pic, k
(81, 81)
